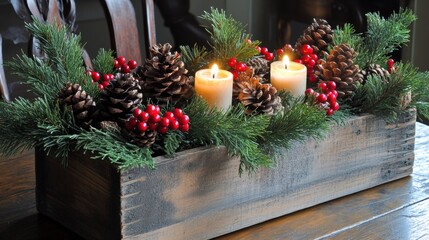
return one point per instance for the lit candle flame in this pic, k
(286, 61)
(215, 70)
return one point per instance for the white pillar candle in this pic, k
(215, 86)
(289, 76)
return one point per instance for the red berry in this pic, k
(390, 63)
(306, 49)
(312, 78)
(335, 106)
(154, 118)
(105, 83)
(332, 99)
(184, 127)
(322, 86)
(331, 85)
(106, 77)
(314, 57)
(248, 41)
(153, 126)
(174, 125)
(280, 51)
(111, 76)
(309, 91)
(142, 127)
(132, 121)
(178, 113)
(240, 67)
(88, 72)
(298, 60)
(151, 109)
(164, 122)
(234, 74)
(322, 98)
(162, 130)
(184, 120)
(100, 86)
(258, 48)
(329, 112)
(157, 109)
(116, 63)
(132, 64)
(335, 93)
(144, 116)
(310, 63)
(169, 115)
(306, 58)
(121, 60)
(232, 62)
(137, 112)
(264, 51)
(95, 76)
(269, 56)
(125, 68)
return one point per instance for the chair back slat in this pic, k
(149, 24)
(3, 86)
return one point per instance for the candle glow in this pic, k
(215, 71)
(286, 61)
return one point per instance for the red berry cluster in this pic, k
(150, 119)
(390, 65)
(102, 81)
(325, 96)
(237, 67)
(309, 59)
(269, 56)
(120, 64)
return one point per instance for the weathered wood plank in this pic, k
(17, 181)
(199, 194)
(203, 189)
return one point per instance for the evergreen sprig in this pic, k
(194, 58)
(228, 39)
(232, 128)
(300, 122)
(103, 62)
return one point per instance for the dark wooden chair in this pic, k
(121, 18)
(120, 15)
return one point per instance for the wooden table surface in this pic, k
(395, 210)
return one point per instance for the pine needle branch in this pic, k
(228, 38)
(194, 58)
(232, 129)
(103, 62)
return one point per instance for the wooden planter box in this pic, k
(199, 194)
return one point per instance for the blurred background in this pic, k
(274, 22)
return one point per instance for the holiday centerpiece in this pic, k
(152, 150)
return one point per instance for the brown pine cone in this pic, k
(82, 104)
(145, 139)
(260, 98)
(120, 98)
(260, 66)
(318, 35)
(339, 67)
(164, 76)
(375, 70)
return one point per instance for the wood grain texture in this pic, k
(199, 195)
(122, 22)
(17, 181)
(149, 25)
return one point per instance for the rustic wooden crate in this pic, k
(199, 194)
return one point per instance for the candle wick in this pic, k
(286, 66)
(214, 76)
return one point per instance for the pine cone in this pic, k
(260, 98)
(120, 98)
(375, 70)
(83, 106)
(318, 35)
(240, 82)
(339, 67)
(164, 76)
(145, 139)
(260, 66)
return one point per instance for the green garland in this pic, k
(26, 124)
